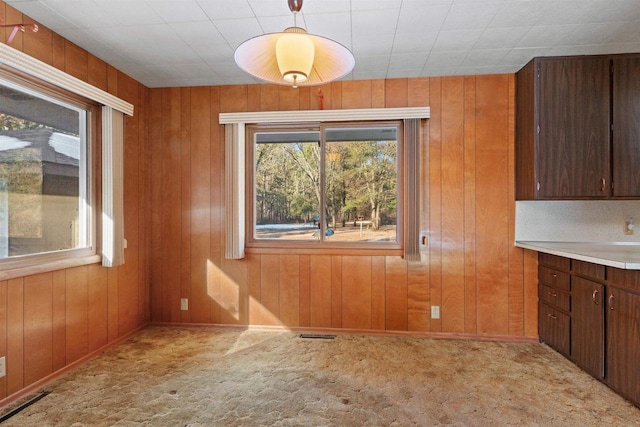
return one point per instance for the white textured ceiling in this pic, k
(164, 43)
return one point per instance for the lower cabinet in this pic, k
(587, 325)
(591, 314)
(623, 343)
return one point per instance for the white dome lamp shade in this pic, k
(294, 57)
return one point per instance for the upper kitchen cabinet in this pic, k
(563, 128)
(626, 127)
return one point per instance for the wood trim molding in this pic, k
(363, 114)
(112, 187)
(45, 72)
(234, 190)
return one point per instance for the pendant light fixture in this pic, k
(294, 57)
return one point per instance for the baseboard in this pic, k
(57, 374)
(349, 331)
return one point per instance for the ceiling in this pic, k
(170, 43)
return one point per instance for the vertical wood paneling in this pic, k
(336, 96)
(470, 285)
(336, 292)
(378, 93)
(396, 93)
(77, 314)
(98, 307)
(530, 293)
(3, 313)
(378, 292)
(97, 70)
(418, 92)
(452, 184)
(320, 291)
(435, 198)
(200, 238)
(113, 299)
(38, 44)
(217, 206)
(12, 16)
(289, 290)
(15, 335)
(288, 98)
(396, 294)
(254, 284)
(155, 139)
(305, 290)
(356, 292)
(492, 204)
(185, 195)
(76, 61)
(59, 315)
(418, 304)
(269, 97)
(356, 94)
(38, 327)
(58, 48)
(270, 288)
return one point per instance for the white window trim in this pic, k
(235, 145)
(114, 108)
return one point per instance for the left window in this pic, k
(45, 173)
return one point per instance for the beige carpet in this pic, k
(218, 377)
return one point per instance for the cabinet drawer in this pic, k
(561, 263)
(629, 279)
(587, 269)
(555, 328)
(554, 278)
(555, 298)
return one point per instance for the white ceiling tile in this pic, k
(413, 42)
(470, 16)
(615, 11)
(484, 57)
(369, 74)
(518, 14)
(237, 31)
(520, 56)
(83, 14)
(41, 12)
(546, 35)
(171, 11)
(277, 24)
(197, 34)
(446, 59)
(225, 9)
(128, 12)
(323, 6)
(336, 26)
(467, 71)
(379, 62)
(626, 33)
(422, 17)
(566, 12)
(438, 72)
(395, 74)
(374, 4)
(456, 40)
(273, 8)
(499, 38)
(407, 61)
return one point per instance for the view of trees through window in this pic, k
(336, 184)
(42, 174)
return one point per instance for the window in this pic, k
(336, 184)
(45, 179)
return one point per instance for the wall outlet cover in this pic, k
(184, 304)
(435, 311)
(3, 366)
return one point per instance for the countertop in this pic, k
(625, 255)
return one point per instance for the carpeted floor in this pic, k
(168, 376)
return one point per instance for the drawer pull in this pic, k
(553, 316)
(611, 301)
(595, 297)
(554, 275)
(603, 184)
(552, 294)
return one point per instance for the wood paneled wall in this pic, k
(483, 284)
(50, 320)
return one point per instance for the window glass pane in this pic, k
(287, 185)
(361, 184)
(43, 182)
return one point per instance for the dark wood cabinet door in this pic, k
(587, 325)
(554, 328)
(574, 118)
(626, 127)
(623, 343)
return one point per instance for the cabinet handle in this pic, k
(553, 316)
(552, 294)
(603, 184)
(595, 297)
(554, 275)
(611, 301)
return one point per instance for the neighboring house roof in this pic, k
(42, 145)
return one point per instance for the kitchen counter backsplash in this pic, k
(576, 220)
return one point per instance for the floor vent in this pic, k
(318, 336)
(25, 405)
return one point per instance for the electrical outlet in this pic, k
(3, 366)
(184, 304)
(629, 226)
(435, 311)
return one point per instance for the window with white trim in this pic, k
(45, 173)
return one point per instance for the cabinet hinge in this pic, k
(611, 127)
(538, 71)
(538, 129)
(538, 186)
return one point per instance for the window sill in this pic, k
(298, 250)
(47, 266)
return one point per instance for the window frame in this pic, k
(22, 265)
(255, 245)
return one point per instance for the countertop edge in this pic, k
(541, 247)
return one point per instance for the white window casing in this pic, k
(235, 169)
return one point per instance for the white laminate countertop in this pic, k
(624, 255)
